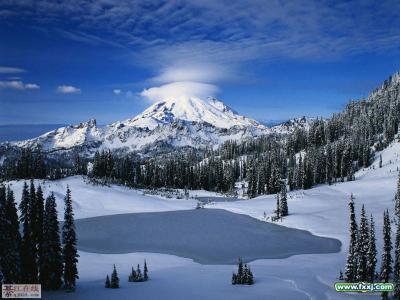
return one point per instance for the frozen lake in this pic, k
(205, 199)
(208, 236)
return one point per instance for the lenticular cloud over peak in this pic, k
(180, 91)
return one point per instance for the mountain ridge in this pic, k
(172, 123)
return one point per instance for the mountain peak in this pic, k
(191, 109)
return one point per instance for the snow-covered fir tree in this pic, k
(243, 275)
(51, 267)
(397, 201)
(372, 252)
(396, 268)
(107, 283)
(362, 244)
(28, 258)
(10, 239)
(145, 272)
(283, 205)
(114, 282)
(278, 207)
(386, 262)
(69, 251)
(351, 263)
(33, 209)
(37, 230)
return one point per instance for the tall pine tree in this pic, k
(51, 268)
(351, 263)
(28, 258)
(283, 206)
(386, 265)
(362, 251)
(114, 283)
(11, 240)
(372, 252)
(70, 255)
(33, 229)
(397, 262)
(38, 221)
(397, 244)
(397, 200)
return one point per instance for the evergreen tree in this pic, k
(37, 230)
(114, 283)
(139, 276)
(33, 209)
(283, 206)
(240, 273)
(132, 276)
(244, 274)
(245, 277)
(362, 251)
(107, 283)
(70, 255)
(51, 268)
(278, 207)
(386, 265)
(397, 263)
(234, 278)
(351, 263)
(3, 228)
(10, 260)
(250, 278)
(372, 252)
(28, 258)
(397, 243)
(145, 272)
(397, 200)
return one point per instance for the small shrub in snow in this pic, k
(107, 283)
(243, 275)
(114, 284)
(137, 276)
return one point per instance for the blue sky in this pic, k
(68, 61)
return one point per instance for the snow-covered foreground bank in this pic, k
(322, 210)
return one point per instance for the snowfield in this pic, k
(322, 210)
(94, 200)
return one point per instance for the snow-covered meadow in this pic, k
(322, 210)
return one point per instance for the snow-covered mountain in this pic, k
(190, 122)
(192, 109)
(290, 125)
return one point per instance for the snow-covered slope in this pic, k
(188, 122)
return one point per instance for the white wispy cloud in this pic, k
(68, 89)
(117, 91)
(207, 73)
(18, 85)
(32, 86)
(179, 90)
(11, 70)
